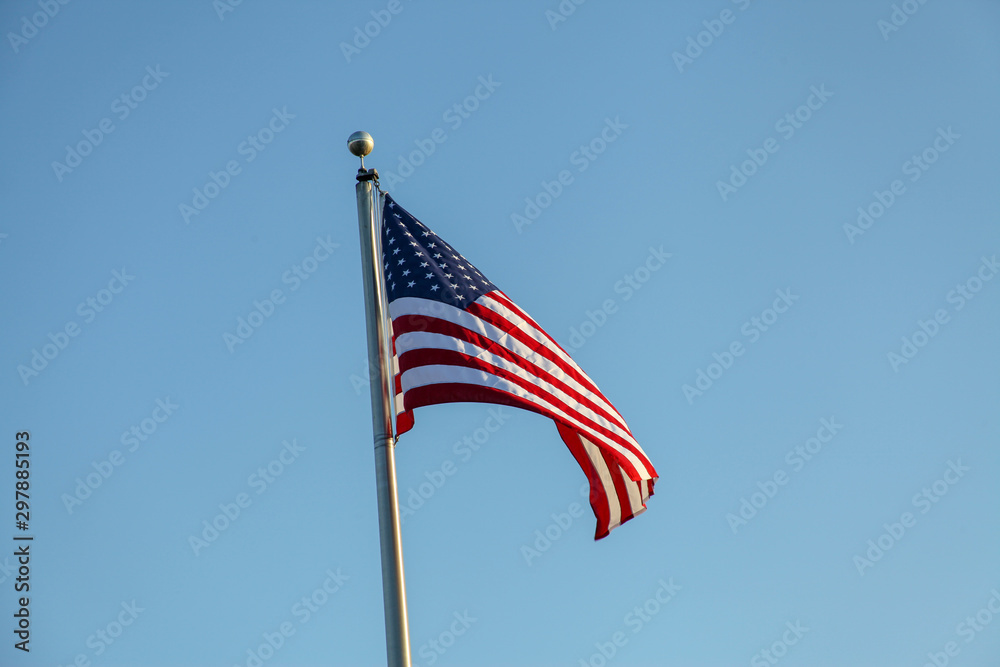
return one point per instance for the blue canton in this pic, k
(418, 263)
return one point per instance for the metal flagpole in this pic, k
(397, 631)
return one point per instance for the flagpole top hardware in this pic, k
(360, 144)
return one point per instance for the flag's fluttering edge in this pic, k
(456, 337)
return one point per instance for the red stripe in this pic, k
(503, 299)
(497, 320)
(598, 498)
(424, 324)
(572, 440)
(624, 503)
(424, 356)
(405, 324)
(457, 392)
(404, 422)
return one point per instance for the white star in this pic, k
(395, 251)
(454, 286)
(424, 264)
(406, 273)
(432, 245)
(401, 262)
(448, 275)
(473, 288)
(437, 255)
(434, 288)
(429, 275)
(392, 240)
(410, 284)
(426, 233)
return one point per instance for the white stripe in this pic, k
(397, 398)
(416, 340)
(427, 308)
(636, 496)
(615, 510)
(432, 374)
(637, 491)
(539, 336)
(419, 340)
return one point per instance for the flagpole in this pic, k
(397, 633)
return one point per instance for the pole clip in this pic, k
(367, 174)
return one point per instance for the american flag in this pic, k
(456, 337)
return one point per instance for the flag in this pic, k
(456, 337)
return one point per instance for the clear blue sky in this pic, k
(173, 168)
